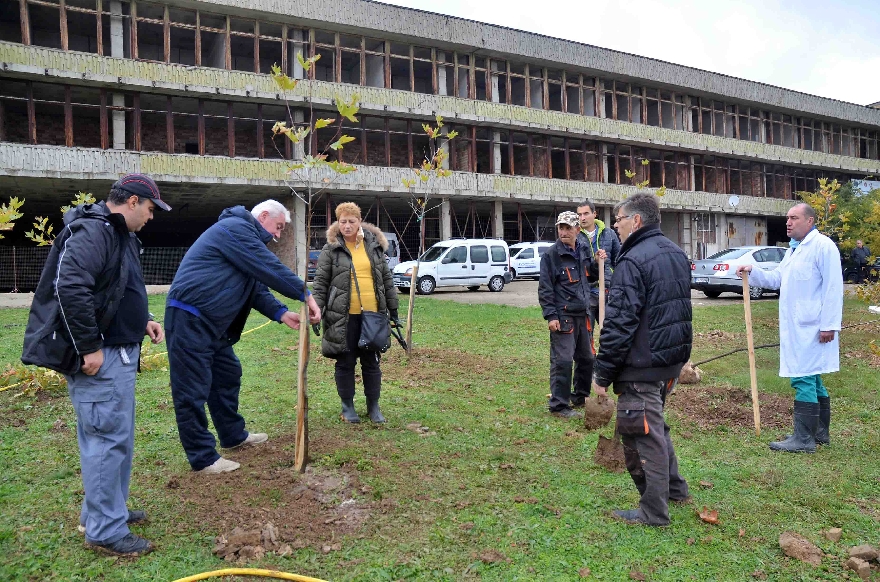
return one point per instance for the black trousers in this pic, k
(573, 344)
(583, 373)
(647, 447)
(345, 364)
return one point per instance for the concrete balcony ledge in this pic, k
(204, 82)
(29, 161)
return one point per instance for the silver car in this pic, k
(717, 274)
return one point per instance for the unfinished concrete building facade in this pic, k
(92, 89)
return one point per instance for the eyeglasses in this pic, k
(619, 218)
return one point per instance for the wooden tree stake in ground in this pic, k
(301, 457)
(753, 375)
(601, 293)
(409, 311)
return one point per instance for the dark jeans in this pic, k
(345, 364)
(204, 370)
(572, 344)
(647, 447)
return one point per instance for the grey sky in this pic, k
(823, 48)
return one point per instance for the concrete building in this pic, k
(92, 89)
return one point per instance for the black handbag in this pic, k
(375, 331)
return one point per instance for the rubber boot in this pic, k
(348, 413)
(822, 435)
(806, 421)
(373, 410)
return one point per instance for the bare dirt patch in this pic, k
(434, 363)
(609, 454)
(708, 407)
(17, 414)
(267, 506)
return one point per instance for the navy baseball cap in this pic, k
(141, 186)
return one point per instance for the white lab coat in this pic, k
(810, 300)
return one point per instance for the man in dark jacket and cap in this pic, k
(644, 344)
(226, 272)
(87, 321)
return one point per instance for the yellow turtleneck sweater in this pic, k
(364, 272)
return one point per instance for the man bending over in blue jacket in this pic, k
(223, 275)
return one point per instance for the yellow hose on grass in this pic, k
(249, 572)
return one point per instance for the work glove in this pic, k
(395, 319)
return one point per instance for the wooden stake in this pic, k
(301, 457)
(409, 311)
(601, 293)
(753, 375)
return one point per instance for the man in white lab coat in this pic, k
(810, 282)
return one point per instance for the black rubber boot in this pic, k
(373, 410)
(348, 413)
(822, 435)
(806, 421)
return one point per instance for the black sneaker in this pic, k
(131, 546)
(566, 413)
(136, 516)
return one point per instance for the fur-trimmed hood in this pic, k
(334, 238)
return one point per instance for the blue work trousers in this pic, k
(204, 370)
(104, 405)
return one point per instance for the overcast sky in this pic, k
(829, 48)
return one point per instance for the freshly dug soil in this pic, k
(598, 412)
(710, 406)
(609, 454)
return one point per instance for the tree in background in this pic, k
(42, 233)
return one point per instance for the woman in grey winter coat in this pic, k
(353, 243)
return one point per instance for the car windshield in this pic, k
(728, 254)
(514, 252)
(433, 253)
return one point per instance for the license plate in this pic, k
(701, 280)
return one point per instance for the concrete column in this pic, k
(445, 220)
(298, 119)
(296, 70)
(301, 245)
(496, 135)
(285, 247)
(444, 145)
(117, 121)
(498, 220)
(606, 216)
(118, 40)
(687, 224)
(441, 73)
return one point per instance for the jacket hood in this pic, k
(96, 211)
(334, 238)
(600, 226)
(245, 214)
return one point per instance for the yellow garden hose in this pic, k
(249, 572)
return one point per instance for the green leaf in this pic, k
(452, 135)
(348, 109)
(337, 145)
(321, 123)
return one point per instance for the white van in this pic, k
(392, 255)
(525, 258)
(469, 262)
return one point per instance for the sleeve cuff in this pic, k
(602, 382)
(279, 313)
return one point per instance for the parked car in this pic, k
(525, 258)
(468, 262)
(717, 274)
(313, 263)
(851, 272)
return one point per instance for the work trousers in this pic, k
(104, 405)
(572, 344)
(808, 388)
(345, 365)
(204, 370)
(583, 374)
(647, 447)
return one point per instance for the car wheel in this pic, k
(403, 290)
(473, 287)
(513, 274)
(496, 283)
(755, 292)
(851, 278)
(426, 285)
(712, 294)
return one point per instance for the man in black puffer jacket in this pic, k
(88, 319)
(644, 344)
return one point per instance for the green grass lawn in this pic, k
(493, 488)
